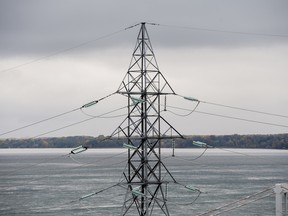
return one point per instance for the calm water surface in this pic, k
(45, 182)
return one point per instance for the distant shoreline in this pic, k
(269, 141)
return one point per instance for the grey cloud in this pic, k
(45, 26)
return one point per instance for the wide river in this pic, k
(47, 182)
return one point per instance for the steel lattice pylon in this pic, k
(145, 128)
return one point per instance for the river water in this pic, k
(46, 182)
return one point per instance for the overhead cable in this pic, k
(59, 115)
(97, 192)
(243, 204)
(242, 119)
(38, 122)
(237, 201)
(76, 150)
(232, 107)
(230, 117)
(221, 30)
(80, 165)
(244, 109)
(67, 49)
(80, 122)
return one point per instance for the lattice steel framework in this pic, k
(145, 128)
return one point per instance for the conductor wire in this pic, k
(56, 116)
(67, 49)
(232, 117)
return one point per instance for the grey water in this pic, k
(47, 182)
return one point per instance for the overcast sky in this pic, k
(201, 47)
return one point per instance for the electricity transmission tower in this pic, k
(144, 129)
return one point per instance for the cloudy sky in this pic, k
(57, 55)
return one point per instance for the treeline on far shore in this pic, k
(271, 141)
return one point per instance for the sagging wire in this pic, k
(231, 117)
(245, 109)
(97, 192)
(77, 150)
(33, 165)
(185, 115)
(189, 187)
(120, 183)
(72, 168)
(186, 98)
(92, 211)
(103, 117)
(85, 197)
(210, 212)
(232, 107)
(198, 144)
(38, 122)
(80, 122)
(227, 210)
(68, 49)
(219, 30)
(59, 115)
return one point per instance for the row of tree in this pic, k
(272, 141)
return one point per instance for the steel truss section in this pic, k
(144, 129)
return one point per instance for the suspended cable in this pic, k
(79, 122)
(193, 159)
(92, 103)
(38, 122)
(243, 119)
(236, 201)
(244, 109)
(93, 163)
(114, 116)
(67, 49)
(189, 187)
(59, 115)
(33, 165)
(85, 197)
(240, 205)
(233, 107)
(189, 203)
(76, 150)
(97, 192)
(184, 115)
(219, 30)
(231, 117)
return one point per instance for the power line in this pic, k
(33, 165)
(93, 163)
(59, 115)
(232, 107)
(67, 49)
(244, 109)
(238, 201)
(79, 122)
(243, 119)
(231, 117)
(38, 122)
(184, 115)
(220, 30)
(243, 204)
